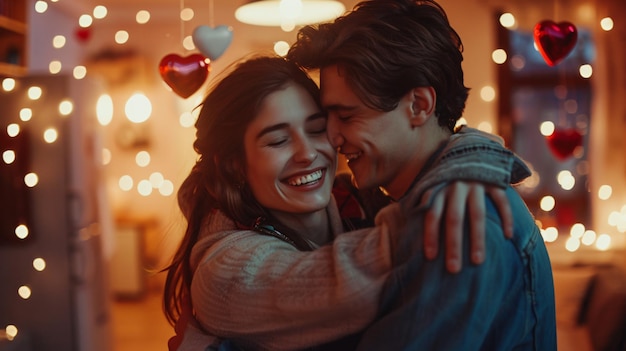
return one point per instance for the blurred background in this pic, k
(97, 107)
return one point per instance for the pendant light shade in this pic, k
(285, 13)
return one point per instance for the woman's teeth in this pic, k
(306, 179)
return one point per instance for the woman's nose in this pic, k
(306, 151)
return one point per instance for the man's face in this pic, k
(378, 145)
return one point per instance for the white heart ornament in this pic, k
(212, 42)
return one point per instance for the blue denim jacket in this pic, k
(507, 303)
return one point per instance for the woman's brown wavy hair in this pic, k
(217, 180)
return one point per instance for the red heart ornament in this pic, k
(185, 75)
(563, 142)
(555, 40)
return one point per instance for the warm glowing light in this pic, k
(58, 41)
(8, 84)
(606, 24)
(11, 331)
(26, 114)
(186, 120)
(126, 182)
(142, 17)
(281, 47)
(100, 12)
(290, 9)
(577, 230)
(106, 156)
(13, 130)
(588, 238)
(138, 108)
(461, 122)
(21, 231)
(31, 179)
(79, 72)
(507, 20)
(603, 242)
(618, 220)
(8, 156)
(547, 203)
(186, 14)
(585, 71)
(288, 12)
(166, 188)
(188, 43)
(54, 67)
(41, 6)
(621, 221)
(142, 158)
(572, 244)
(550, 234)
(487, 93)
(485, 126)
(121, 36)
(605, 192)
(144, 187)
(498, 56)
(156, 179)
(39, 264)
(85, 20)
(104, 109)
(66, 107)
(287, 26)
(24, 292)
(566, 180)
(546, 128)
(50, 135)
(34, 93)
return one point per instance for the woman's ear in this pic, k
(423, 104)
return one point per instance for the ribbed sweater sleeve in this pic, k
(266, 295)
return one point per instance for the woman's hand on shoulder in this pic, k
(448, 209)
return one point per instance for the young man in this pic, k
(392, 83)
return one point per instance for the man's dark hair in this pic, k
(388, 47)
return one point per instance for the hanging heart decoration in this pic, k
(555, 40)
(83, 34)
(563, 142)
(212, 42)
(185, 75)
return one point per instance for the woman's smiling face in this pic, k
(290, 164)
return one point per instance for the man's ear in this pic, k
(423, 104)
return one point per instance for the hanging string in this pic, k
(182, 23)
(211, 14)
(562, 79)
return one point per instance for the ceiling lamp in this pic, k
(288, 13)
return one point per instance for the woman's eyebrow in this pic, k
(271, 128)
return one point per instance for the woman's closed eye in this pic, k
(317, 126)
(276, 142)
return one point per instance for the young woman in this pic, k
(263, 262)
